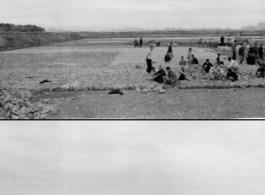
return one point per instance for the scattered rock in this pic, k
(13, 105)
(53, 111)
(145, 91)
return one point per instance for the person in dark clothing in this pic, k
(170, 51)
(194, 60)
(260, 51)
(241, 53)
(222, 41)
(231, 75)
(135, 42)
(251, 59)
(251, 50)
(234, 50)
(141, 42)
(167, 57)
(218, 59)
(158, 77)
(207, 66)
(255, 51)
(261, 70)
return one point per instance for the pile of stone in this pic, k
(225, 48)
(13, 106)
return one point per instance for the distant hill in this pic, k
(260, 26)
(132, 29)
(126, 29)
(20, 28)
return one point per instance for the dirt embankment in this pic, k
(9, 41)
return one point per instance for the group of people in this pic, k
(251, 53)
(222, 39)
(138, 43)
(215, 71)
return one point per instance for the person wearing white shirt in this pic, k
(233, 69)
(149, 60)
(233, 64)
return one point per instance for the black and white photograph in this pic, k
(132, 59)
(132, 158)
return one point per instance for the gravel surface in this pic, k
(174, 104)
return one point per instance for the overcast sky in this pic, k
(104, 14)
(129, 158)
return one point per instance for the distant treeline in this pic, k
(20, 28)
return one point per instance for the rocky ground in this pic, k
(82, 72)
(94, 65)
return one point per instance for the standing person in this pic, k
(222, 41)
(141, 42)
(246, 48)
(260, 51)
(182, 63)
(170, 51)
(149, 60)
(189, 57)
(241, 53)
(218, 60)
(251, 50)
(234, 50)
(255, 49)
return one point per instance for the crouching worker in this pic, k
(216, 73)
(231, 75)
(233, 65)
(207, 66)
(180, 74)
(233, 70)
(194, 60)
(171, 78)
(261, 70)
(167, 57)
(158, 76)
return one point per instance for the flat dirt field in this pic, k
(90, 65)
(85, 64)
(175, 104)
